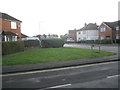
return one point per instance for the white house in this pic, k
(88, 32)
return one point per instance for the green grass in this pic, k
(51, 55)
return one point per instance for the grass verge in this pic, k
(51, 55)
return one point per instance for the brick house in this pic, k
(10, 27)
(72, 35)
(109, 30)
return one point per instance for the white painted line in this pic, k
(59, 86)
(113, 76)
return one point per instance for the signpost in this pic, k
(92, 48)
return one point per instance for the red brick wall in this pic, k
(73, 35)
(6, 25)
(108, 32)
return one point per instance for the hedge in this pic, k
(52, 43)
(99, 41)
(89, 41)
(18, 46)
(106, 41)
(12, 47)
(31, 43)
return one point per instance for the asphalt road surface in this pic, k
(106, 47)
(102, 75)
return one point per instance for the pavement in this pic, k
(51, 65)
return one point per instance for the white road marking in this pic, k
(113, 76)
(56, 69)
(59, 86)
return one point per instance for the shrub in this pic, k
(97, 42)
(52, 43)
(12, 47)
(117, 41)
(106, 41)
(89, 41)
(31, 43)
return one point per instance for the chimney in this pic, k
(85, 24)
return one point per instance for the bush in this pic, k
(12, 47)
(93, 41)
(31, 43)
(52, 43)
(106, 41)
(117, 41)
(99, 41)
(90, 41)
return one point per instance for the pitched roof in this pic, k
(72, 31)
(23, 35)
(8, 17)
(7, 33)
(113, 25)
(90, 26)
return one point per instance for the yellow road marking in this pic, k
(56, 69)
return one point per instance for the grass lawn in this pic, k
(51, 55)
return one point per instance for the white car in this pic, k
(32, 38)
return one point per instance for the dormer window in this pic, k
(13, 25)
(117, 28)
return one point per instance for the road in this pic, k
(110, 48)
(102, 75)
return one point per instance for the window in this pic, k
(117, 28)
(102, 29)
(101, 37)
(84, 32)
(117, 37)
(79, 33)
(13, 25)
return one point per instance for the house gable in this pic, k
(5, 16)
(11, 24)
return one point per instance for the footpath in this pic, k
(51, 65)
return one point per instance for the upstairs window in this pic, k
(13, 25)
(79, 33)
(117, 28)
(102, 29)
(84, 32)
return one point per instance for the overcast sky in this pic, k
(59, 16)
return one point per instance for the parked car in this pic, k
(32, 38)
